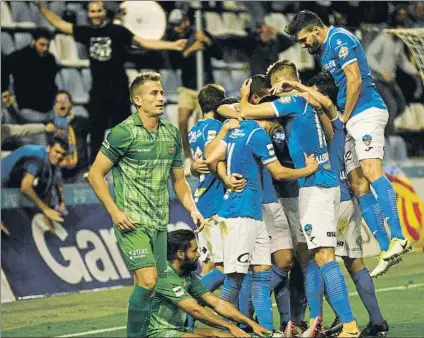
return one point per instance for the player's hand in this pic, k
(53, 215)
(200, 166)
(311, 100)
(198, 220)
(180, 44)
(49, 128)
(260, 330)
(236, 182)
(245, 89)
(311, 163)
(387, 77)
(283, 86)
(237, 332)
(231, 124)
(122, 221)
(202, 37)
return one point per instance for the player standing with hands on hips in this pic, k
(365, 116)
(143, 152)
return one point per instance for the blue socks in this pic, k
(245, 298)
(261, 298)
(231, 289)
(314, 288)
(213, 280)
(278, 276)
(282, 298)
(366, 290)
(298, 302)
(373, 216)
(337, 292)
(387, 199)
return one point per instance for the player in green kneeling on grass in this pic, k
(143, 151)
(176, 294)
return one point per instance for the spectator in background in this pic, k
(107, 43)
(419, 14)
(182, 28)
(261, 46)
(385, 54)
(74, 129)
(35, 170)
(34, 70)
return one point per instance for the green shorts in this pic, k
(142, 248)
(173, 333)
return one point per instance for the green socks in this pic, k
(139, 312)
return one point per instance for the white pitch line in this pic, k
(393, 288)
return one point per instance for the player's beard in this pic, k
(314, 48)
(188, 266)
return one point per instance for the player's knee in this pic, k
(372, 169)
(324, 256)
(353, 265)
(283, 260)
(359, 184)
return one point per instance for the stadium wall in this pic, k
(82, 254)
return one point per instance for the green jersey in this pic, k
(142, 162)
(170, 290)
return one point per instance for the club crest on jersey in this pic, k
(171, 150)
(367, 139)
(211, 134)
(285, 99)
(343, 53)
(308, 229)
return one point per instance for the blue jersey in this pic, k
(284, 188)
(268, 190)
(340, 49)
(34, 160)
(337, 149)
(305, 137)
(210, 189)
(248, 149)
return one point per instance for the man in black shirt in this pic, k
(106, 43)
(34, 70)
(181, 28)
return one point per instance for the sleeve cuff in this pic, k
(272, 159)
(225, 143)
(349, 62)
(275, 109)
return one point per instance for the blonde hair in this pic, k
(140, 79)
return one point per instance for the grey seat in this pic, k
(22, 40)
(7, 44)
(72, 82)
(80, 111)
(21, 13)
(170, 81)
(86, 79)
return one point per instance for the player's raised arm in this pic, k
(159, 44)
(249, 111)
(353, 88)
(226, 127)
(56, 21)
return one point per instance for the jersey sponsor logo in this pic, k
(143, 150)
(279, 137)
(237, 133)
(285, 99)
(193, 136)
(106, 144)
(171, 150)
(211, 135)
(270, 148)
(330, 66)
(359, 242)
(101, 48)
(323, 158)
(178, 291)
(340, 244)
(244, 258)
(343, 52)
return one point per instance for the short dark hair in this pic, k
(326, 85)
(229, 100)
(60, 141)
(178, 240)
(259, 86)
(270, 98)
(62, 91)
(281, 65)
(303, 19)
(42, 32)
(210, 97)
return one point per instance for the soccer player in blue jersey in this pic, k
(245, 239)
(365, 116)
(349, 239)
(319, 194)
(210, 189)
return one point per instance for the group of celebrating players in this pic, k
(329, 136)
(285, 177)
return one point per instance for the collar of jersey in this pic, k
(138, 122)
(328, 34)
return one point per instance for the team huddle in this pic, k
(285, 176)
